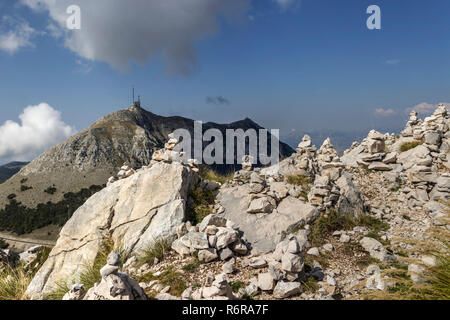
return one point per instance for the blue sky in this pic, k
(309, 65)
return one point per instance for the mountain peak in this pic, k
(92, 155)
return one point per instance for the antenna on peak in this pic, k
(136, 103)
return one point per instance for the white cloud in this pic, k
(285, 4)
(119, 32)
(380, 112)
(393, 62)
(15, 34)
(425, 108)
(40, 127)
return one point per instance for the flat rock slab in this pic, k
(263, 231)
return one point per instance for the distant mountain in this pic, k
(341, 140)
(68, 173)
(10, 169)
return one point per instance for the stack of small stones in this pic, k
(214, 238)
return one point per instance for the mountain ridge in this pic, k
(92, 155)
(9, 169)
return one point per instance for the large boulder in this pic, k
(285, 289)
(264, 231)
(132, 212)
(350, 201)
(376, 250)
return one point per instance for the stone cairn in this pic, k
(424, 169)
(114, 285)
(167, 154)
(215, 238)
(285, 270)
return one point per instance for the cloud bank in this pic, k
(40, 127)
(119, 32)
(15, 34)
(425, 108)
(393, 61)
(380, 112)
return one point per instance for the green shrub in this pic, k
(236, 285)
(50, 190)
(24, 188)
(11, 196)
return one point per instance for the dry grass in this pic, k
(91, 271)
(211, 175)
(437, 285)
(157, 250)
(14, 282)
(299, 180)
(332, 221)
(410, 145)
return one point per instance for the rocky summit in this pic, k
(371, 224)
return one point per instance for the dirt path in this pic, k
(20, 242)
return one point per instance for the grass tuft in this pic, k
(14, 282)
(158, 249)
(331, 221)
(192, 266)
(299, 180)
(207, 173)
(236, 285)
(174, 279)
(201, 205)
(410, 145)
(310, 285)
